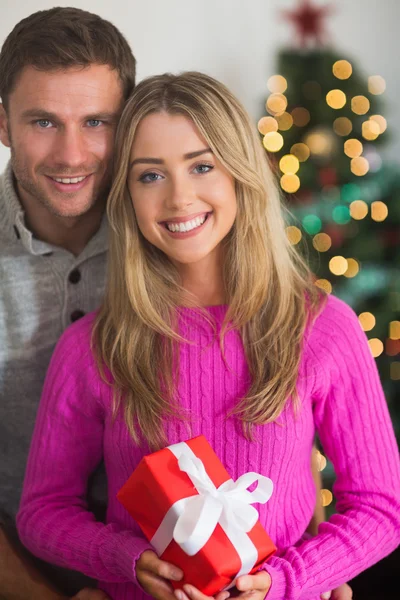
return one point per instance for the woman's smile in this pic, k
(182, 227)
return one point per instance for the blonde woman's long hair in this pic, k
(268, 286)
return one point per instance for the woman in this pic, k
(211, 325)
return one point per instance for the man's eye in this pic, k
(203, 168)
(44, 123)
(94, 122)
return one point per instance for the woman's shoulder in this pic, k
(76, 341)
(334, 314)
(335, 326)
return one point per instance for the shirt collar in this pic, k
(13, 222)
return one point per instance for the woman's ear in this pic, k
(4, 133)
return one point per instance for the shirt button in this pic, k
(74, 276)
(76, 314)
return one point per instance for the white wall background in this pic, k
(236, 40)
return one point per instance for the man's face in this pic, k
(60, 126)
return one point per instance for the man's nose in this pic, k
(71, 148)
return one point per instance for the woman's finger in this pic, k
(194, 594)
(155, 586)
(222, 595)
(149, 561)
(260, 581)
(343, 592)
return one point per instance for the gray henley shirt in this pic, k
(43, 289)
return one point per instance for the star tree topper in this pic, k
(308, 21)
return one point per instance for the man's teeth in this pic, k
(69, 179)
(187, 226)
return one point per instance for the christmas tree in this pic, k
(323, 131)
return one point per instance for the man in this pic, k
(64, 75)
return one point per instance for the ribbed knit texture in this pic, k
(341, 399)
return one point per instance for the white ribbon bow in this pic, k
(191, 521)
(229, 505)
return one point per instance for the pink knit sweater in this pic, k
(341, 399)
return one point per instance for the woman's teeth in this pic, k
(187, 226)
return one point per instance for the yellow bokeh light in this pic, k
(326, 497)
(319, 143)
(277, 84)
(301, 116)
(381, 122)
(338, 265)
(379, 211)
(290, 183)
(353, 148)
(289, 164)
(376, 84)
(394, 330)
(352, 269)
(276, 104)
(321, 461)
(273, 141)
(360, 105)
(358, 209)
(322, 242)
(342, 126)
(376, 347)
(359, 166)
(293, 234)
(324, 284)
(267, 124)
(342, 69)
(367, 321)
(285, 121)
(395, 371)
(370, 130)
(301, 151)
(336, 99)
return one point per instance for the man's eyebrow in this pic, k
(159, 161)
(39, 113)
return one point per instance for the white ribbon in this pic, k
(191, 521)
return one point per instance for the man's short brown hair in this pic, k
(60, 38)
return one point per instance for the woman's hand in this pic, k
(255, 587)
(343, 592)
(154, 575)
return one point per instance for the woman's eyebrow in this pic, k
(160, 161)
(197, 153)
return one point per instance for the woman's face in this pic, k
(183, 197)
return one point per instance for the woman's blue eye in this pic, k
(149, 177)
(94, 122)
(203, 168)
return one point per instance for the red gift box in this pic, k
(172, 494)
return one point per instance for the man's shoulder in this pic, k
(8, 203)
(8, 195)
